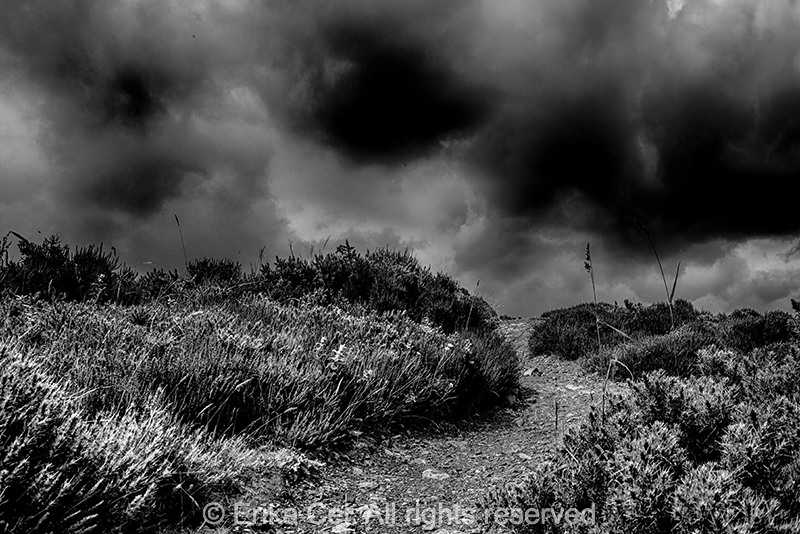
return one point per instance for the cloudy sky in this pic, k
(494, 138)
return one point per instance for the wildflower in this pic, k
(588, 263)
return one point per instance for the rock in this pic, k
(419, 461)
(432, 474)
(342, 528)
(357, 471)
(458, 443)
(524, 456)
(368, 485)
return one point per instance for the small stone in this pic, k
(524, 456)
(432, 474)
(368, 485)
(419, 461)
(358, 471)
(342, 528)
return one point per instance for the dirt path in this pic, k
(409, 483)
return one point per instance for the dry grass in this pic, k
(127, 419)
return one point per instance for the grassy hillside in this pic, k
(126, 401)
(707, 441)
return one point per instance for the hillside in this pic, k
(362, 393)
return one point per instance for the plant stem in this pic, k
(183, 245)
(664, 278)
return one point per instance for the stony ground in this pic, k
(431, 482)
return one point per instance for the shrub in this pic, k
(746, 329)
(571, 334)
(63, 471)
(158, 284)
(211, 271)
(761, 450)
(384, 281)
(710, 499)
(653, 320)
(51, 272)
(700, 408)
(647, 469)
(677, 353)
(305, 376)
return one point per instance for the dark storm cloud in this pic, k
(696, 155)
(111, 74)
(378, 83)
(527, 128)
(392, 101)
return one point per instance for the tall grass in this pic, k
(128, 419)
(63, 469)
(712, 452)
(382, 280)
(127, 402)
(303, 376)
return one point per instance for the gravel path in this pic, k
(410, 483)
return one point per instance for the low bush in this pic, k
(124, 419)
(306, 377)
(677, 353)
(62, 470)
(219, 272)
(381, 281)
(571, 332)
(711, 452)
(745, 329)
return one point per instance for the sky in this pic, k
(493, 138)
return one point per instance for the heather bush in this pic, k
(211, 271)
(745, 329)
(761, 449)
(304, 376)
(62, 470)
(710, 499)
(700, 408)
(382, 281)
(676, 352)
(647, 469)
(571, 334)
(715, 451)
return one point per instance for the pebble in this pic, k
(432, 474)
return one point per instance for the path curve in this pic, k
(434, 471)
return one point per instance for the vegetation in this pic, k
(126, 402)
(706, 441)
(713, 452)
(382, 281)
(571, 332)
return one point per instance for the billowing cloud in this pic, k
(495, 138)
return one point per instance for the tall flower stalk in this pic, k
(590, 269)
(642, 228)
